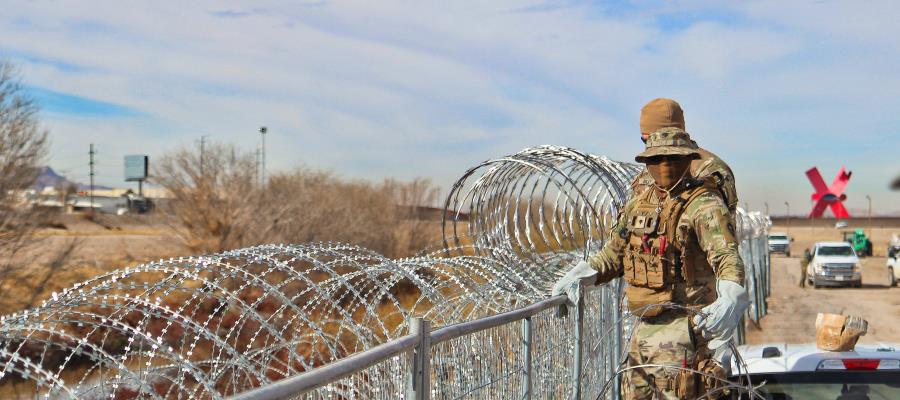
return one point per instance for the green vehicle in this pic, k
(861, 244)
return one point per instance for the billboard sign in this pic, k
(136, 167)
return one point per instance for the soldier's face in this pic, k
(667, 170)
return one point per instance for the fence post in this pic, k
(579, 345)
(418, 383)
(618, 292)
(526, 352)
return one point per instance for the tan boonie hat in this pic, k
(661, 113)
(668, 141)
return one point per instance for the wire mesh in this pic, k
(486, 364)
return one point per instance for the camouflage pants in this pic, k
(664, 340)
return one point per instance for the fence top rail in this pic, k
(302, 383)
(465, 328)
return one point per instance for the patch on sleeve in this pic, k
(726, 227)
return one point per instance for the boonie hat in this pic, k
(661, 113)
(668, 141)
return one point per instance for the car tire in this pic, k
(787, 254)
(892, 280)
(816, 283)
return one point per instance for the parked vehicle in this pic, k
(802, 371)
(857, 238)
(893, 245)
(893, 264)
(780, 242)
(834, 264)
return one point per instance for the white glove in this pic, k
(724, 314)
(570, 283)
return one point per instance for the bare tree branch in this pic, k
(23, 148)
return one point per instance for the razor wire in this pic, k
(215, 325)
(546, 205)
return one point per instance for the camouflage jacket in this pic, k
(709, 224)
(708, 164)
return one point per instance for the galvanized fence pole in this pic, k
(418, 384)
(579, 344)
(619, 289)
(526, 358)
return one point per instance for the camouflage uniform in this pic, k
(677, 257)
(804, 263)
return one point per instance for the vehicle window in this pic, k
(777, 237)
(828, 385)
(835, 251)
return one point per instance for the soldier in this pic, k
(673, 243)
(804, 262)
(666, 113)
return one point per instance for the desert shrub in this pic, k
(218, 204)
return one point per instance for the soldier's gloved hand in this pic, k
(570, 284)
(724, 314)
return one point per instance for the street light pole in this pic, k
(869, 198)
(262, 131)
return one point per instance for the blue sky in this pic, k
(400, 89)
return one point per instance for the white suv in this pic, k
(779, 242)
(834, 264)
(802, 371)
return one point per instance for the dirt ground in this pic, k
(102, 244)
(792, 310)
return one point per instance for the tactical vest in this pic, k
(662, 260)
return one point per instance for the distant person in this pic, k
(804, 262)
(666, 113)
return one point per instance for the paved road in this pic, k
(792, 310)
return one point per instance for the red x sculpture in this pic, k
(832, 196)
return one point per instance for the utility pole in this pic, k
(767, 208)
(788, 217)
(262, 131)
(202, 155)
(91, 163)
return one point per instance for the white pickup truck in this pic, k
(801, 371)
(834, 264)
(780, 242)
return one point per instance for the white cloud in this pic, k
(388, 88)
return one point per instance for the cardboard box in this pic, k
(835, 332)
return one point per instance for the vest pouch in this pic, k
(645, 270)
(641, 300)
